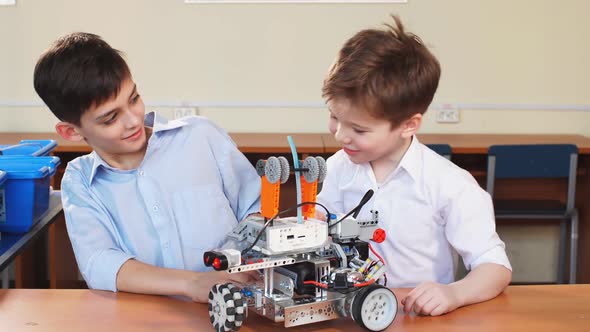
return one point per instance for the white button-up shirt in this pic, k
(429, 208)
(190, 190)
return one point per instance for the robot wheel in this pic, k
(374, 307)
(227, 307)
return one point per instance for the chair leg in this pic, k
(573, 248)
(5, 280)
(561, 254)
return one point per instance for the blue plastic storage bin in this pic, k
(2, 206)
(29, 148)
(26, 191)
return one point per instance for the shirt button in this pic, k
(141, 173)
(155, 208)
(166, 245)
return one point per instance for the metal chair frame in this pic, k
(570, 213)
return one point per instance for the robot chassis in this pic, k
(313, 271)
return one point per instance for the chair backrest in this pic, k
(442, 149)
(533, 161)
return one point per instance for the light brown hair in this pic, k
(389, 72)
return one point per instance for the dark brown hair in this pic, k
(389, 72)
(77, 72)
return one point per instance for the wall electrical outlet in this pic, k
(180, 112)
(447, 115)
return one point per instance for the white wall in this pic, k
(493, 52)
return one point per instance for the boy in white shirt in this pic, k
(377, 92)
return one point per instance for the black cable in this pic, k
(278, 214)
(373, 263)
(339, 221)
(357, 208)
(366, 197)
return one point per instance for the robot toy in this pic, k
(313, 270)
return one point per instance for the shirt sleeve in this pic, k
(330, 195)
(471, 228)
(92, 234)
(241, 182)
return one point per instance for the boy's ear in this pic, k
(411, 125)
(68, 131)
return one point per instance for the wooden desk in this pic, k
(13, 245)
(325, 143)
(519, 308)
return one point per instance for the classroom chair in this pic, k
(442, 149)
(551, 161)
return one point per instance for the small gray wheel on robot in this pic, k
(313, 169)
(374, 307)
(285, 169)
(272, 169)
(227, 308)
(323, 169)
(260, 167)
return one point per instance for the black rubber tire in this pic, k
(359, 299)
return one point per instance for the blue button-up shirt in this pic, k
(190, 190)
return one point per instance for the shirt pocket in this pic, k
(204, 218)
(410, 223)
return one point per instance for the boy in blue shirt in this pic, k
(154, 194)
(377, 90)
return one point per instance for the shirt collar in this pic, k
(160, 123)
(412, 160)
(157, 122)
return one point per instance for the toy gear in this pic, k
(272, 169)
(227, 308)
(323, 169)
(313, 170)
(285, 169)
(260, 167)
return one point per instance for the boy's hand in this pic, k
(431, 299)
(198, 288)
(320, 215)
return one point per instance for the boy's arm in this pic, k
(241, 182)
(483, 283)
(106, 267)
(137, 277)
(93, 235)
(470, 229)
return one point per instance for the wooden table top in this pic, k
(325, 143)
(519, 308)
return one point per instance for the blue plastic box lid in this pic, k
(29, 167)
(29, 148)
(2, 177)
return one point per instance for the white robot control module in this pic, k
(313, 270)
